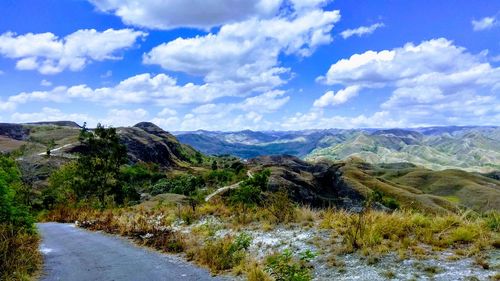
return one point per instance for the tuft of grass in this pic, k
(221, 254)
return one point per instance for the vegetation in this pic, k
(285, 267)
(19, 256)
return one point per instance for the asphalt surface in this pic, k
(73, 254)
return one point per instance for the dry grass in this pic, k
(19, 255)
(379, 232)
(407, 233)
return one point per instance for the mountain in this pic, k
(346, 184)
(468, 148)
(145, 142)
(249, 144)
(472, 148)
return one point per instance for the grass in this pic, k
(372, 234)
(19, 255)
(379, 232)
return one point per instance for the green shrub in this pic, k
(11, 210)
(285, 267)
(182, 184)
(224, 253)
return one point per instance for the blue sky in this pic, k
(251, 64)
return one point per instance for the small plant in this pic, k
(284, 267)
(281, 207)
(223, 253)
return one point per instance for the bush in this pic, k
(11, 210)
(281, 207)
(284, 267)
(224, 253)
(219, 178)
(182, 184)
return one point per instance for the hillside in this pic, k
(470, 148)
(145, 142)
(347, 184)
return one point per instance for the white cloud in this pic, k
(45, 83)
(248, 113)
(203, 14)
(167, 112)
(360, 31)
(247, 51)
(125, 117)
(113, 117)
(169, 14)
(484, 23)
(160, 90)
(434, 82)
(49, 114)
(48, 54)
(342, 96)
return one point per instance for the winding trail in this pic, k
(226, 188)
(75, 254)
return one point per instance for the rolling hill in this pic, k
(470, 148)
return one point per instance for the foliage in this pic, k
(280, 206)
(61, 186)
(11, 210)
(285, 267)
(99, 165)
(181, 184)
(19, 256)
(249, 192)
(219, 178)
(224, 253)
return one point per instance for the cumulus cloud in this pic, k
(316, 119)
(167, 112)
(49, 54)
(49, 114)
(342, 96)
(434, 81)
(484, 23)
(160, 90)
(202, 14)
(249, 50)
(360, 31)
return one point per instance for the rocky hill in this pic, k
(347, 184)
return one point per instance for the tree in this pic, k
(99, 164)
(51, 145)
(249, 193)
(12, 211)
(214, 165)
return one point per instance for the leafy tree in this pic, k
(99, 164)
(214, 165)
(249, 193)
(181, 184)
(11, 210)
(61, 186)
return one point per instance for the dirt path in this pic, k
(226, 188)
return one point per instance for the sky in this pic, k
(231, 65)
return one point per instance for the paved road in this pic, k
(73, 254)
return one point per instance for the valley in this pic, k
(328, 216)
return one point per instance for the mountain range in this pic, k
(471, 148)
(410, 168)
